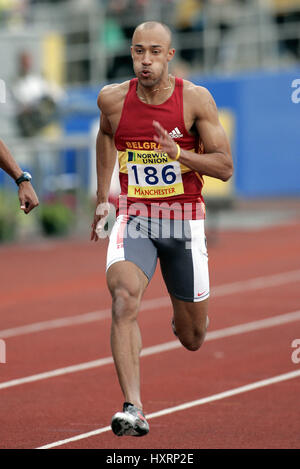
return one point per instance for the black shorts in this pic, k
(180, 246)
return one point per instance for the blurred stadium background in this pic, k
(56, 55)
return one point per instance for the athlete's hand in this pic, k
(27, 197)
(100, 219)
(166, 142)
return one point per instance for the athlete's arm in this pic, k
(27, 196)
(8, 163)
(105, 159)
(105, 163)
(216, 161)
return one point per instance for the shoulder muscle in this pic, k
(111, 96)
(200, 101)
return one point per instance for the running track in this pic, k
(58, 387)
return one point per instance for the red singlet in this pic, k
(152, 184)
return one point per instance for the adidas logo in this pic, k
(175, 133)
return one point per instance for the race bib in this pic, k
(153, 175)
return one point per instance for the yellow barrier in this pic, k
(53, 58)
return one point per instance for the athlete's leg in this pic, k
(184, 265)
(126, 283)
(190, 320)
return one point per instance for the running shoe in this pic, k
(131, 422)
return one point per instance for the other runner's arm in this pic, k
(27, 196)
(216, 161)
(105, 163)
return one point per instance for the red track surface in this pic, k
(62, 279)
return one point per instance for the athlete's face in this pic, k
(151, 53)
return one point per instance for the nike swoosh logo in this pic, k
(201, 294)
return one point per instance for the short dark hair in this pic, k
(152, 24)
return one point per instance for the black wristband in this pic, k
(24, 177)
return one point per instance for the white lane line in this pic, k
(55, 323)
(257, 283)
(167, 346)
(187, 405)
(76, 320)
(220, 290)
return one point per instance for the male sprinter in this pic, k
(168, 135)
(27, 196)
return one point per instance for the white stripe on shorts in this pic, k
(200, 260)
(115, 250)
